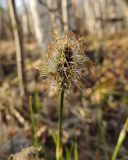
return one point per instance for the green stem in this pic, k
(59, 143)
(120, 140)
(33, 124)
(101, 136)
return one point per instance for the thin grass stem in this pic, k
(76, 151)
(33, 125)
(120, 140)
(101, 133)
(59, 142)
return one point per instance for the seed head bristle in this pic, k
(64, 63)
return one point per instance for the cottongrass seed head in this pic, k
(64, 64)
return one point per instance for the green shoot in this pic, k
(120, 140)
(54, 137)
(37, 102)
(33, 125)
(75, 151)
(68, 154)
(101, 132)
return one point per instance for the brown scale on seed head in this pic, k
(65, 64)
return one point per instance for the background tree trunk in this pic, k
(41, 18)
(18, 44)
(101, 17)
(64, 7)
(25, 19)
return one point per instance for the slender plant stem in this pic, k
(33, 124)
(120, 140)
(75, 151)
(101, 132)
(59, 143)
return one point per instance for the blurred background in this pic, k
(94, 117)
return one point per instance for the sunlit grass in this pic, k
(120, 140)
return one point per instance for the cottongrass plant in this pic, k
(65, 66)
